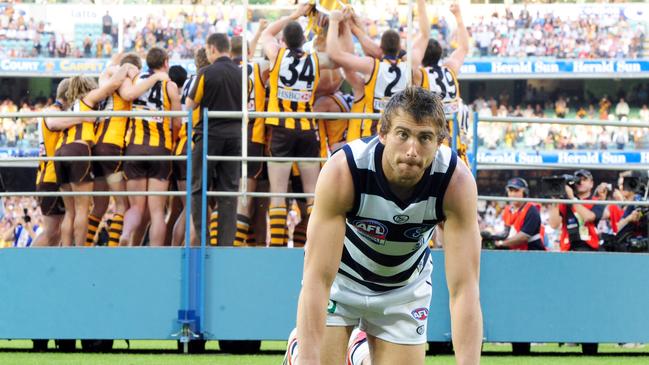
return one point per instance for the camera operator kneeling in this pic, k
(577, 220)
(522, 220)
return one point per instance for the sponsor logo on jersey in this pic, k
(420, 314)
(400, 218)
(293, 95)
(415, 233)
(373, 230)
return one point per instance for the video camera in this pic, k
(636, 182)
(554, 186)
(489, 241)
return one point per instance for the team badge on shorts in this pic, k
(331, 307)
(420, 329)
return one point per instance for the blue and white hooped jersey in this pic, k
(386, 239)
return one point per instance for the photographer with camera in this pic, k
(577, 220)
(632, 227)
(23, 233)
(523, 229)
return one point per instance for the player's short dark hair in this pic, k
(133, 59)
(219, 41)
(178, 75)
(390, 43)
(433, 53)
(156, 58)
(236, 46)
(293, 35)
(424, 106)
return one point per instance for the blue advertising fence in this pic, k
(475, 68)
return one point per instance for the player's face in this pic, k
(409, 149)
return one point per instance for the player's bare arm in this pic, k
(130, 91)
(337, 53)
(334, 197)
(370, 48)
(174, 98)
(462, 256)
(268, 38)
(420, 42)
(456, 59)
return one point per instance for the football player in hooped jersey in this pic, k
(294, 77)
(376, 205)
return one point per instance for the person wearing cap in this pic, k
(578, 221)
(523, 229)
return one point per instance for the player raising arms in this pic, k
(294, 77)
(377, 203)
(383, 76)
(441, 78)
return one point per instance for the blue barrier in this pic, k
(251, 293)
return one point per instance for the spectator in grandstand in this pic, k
(218, 88)
(23, 233)
(622, 110)
(578, 221)
(644, 113)
(107, 24)
(523, 230)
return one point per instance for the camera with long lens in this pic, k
(554, 186)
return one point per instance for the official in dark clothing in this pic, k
(218, 88)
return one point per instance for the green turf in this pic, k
(161, 353)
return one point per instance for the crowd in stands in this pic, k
(555, 136)
(556, 35)
(502, 34)
(20, 133)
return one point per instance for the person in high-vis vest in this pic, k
(522, 220)
(578, 221)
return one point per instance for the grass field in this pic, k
(163, 353)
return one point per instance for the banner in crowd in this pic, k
(550, 68)
(562, 157)
(472, 68)
(65, 67)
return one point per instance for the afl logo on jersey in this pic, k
(373, 230)
(400, 218)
